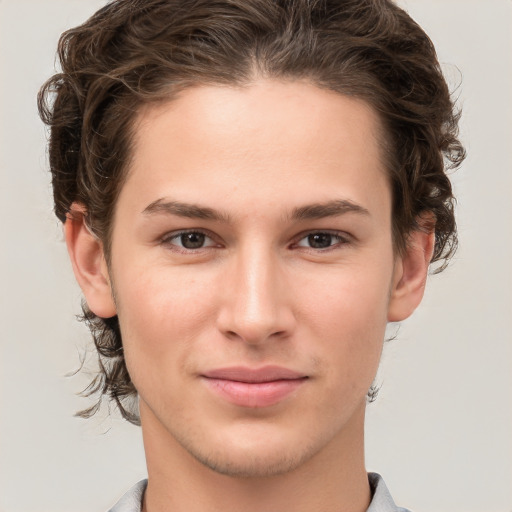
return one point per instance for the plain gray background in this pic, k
(440, 431)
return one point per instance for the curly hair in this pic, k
(137, 52)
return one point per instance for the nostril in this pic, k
(253, 337)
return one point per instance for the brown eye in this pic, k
(192, 240)
(320, 240)
(188, 240)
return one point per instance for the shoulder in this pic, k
(132, 500)
(381, 497)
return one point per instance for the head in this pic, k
(133, 56)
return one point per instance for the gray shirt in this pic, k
(381, 499)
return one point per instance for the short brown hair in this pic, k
(135, 52)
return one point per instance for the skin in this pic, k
(271, 163)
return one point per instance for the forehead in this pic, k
(261, 141)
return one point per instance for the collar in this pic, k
(381, 498)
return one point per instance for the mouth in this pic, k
(247, 387)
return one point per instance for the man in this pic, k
(251, 190)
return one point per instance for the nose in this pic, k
(256, 302)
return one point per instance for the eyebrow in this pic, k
(308, 212)
(192, 211)
(328, 209)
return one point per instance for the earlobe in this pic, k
(89, 265)
(410, 275)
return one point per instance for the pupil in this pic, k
(320, 240)
(192, 240)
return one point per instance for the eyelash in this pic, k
(168, 239)
(339, 238)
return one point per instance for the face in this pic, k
(253, 267)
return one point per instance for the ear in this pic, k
(89, 264)
(410, 274)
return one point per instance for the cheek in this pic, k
(161, 312)
(348, 318)
(350, 297)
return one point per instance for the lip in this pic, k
(253, 387)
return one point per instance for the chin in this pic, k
(259, 456)
(250, 465)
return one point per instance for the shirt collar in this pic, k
(381, 498)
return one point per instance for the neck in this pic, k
(333, 480)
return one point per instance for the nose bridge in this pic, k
(256, 307)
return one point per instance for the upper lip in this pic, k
(256, 375)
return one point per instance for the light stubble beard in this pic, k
(253, 467)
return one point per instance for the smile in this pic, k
(247, 387)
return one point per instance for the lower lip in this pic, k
(254, 394)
